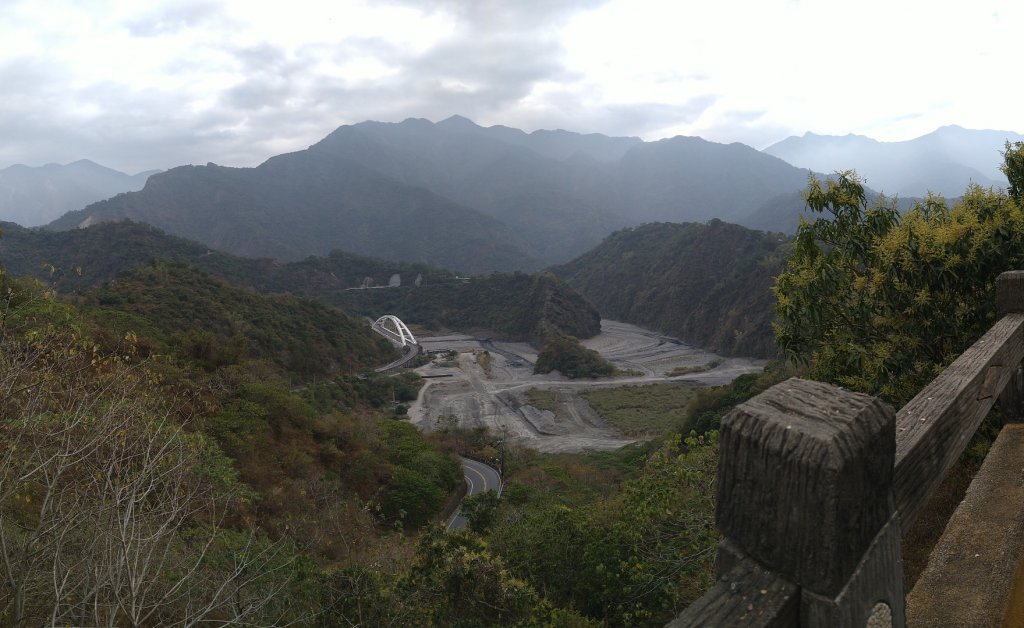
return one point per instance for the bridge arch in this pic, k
(400, 333)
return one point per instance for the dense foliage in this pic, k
(880, 302)
(218, 324)
(89, 257)
(513, 306)
(507, 305)
(565, 354)
(626, 555)
(238, 493)
(708, 284)
(113, 508)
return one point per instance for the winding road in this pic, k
(479, 478)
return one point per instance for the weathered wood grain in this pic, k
(748, 595)
(816, 483)
(879, 577)
(805, 480)
(1010, 293)
(1009, 300)
(935, 426)
(1011, 400)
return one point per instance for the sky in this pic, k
(151, 85)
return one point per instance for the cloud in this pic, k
(176, 17)
(138, 86)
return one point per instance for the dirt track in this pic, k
(497, 401)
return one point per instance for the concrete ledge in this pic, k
(972, 575)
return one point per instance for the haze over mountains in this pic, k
(944, 161)
(479, 199)
(453, 193)
(32, 196)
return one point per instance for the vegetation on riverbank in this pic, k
(565, 354)
(644, 410)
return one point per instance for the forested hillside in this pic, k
(81, 258)
(514, 306)
(709, 284)
(216, 324)
(318, 496)
(154, 418)
(510, 305)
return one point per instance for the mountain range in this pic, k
(32, 196)
(479, 199)
(454, 194)
(944, 161)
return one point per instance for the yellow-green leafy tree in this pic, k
(879, 302)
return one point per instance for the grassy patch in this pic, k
(642, 410)
(483, 358)
(626, 460)
(542, 399)
(688, 370)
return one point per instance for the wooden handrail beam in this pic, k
(816, 484)
(933, 429)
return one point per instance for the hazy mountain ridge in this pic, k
(295, 205)
(684, 179)
(453, 194)
(32, 196)
(944, 161)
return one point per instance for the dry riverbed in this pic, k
(490, 391)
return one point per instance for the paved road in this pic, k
(479, 478)
(409, 353)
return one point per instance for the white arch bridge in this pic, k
(392, 328)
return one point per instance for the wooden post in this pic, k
(1010, 300)
(805, 490)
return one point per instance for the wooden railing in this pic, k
(817, 483)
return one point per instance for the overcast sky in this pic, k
(140, 85)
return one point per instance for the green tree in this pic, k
(110, 511)
(879, 302)
(480, 510)
(461, 583)
(1013, 168)
(567, 355)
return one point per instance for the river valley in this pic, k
(477, 389)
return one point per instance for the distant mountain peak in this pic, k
(459, 122)
(944, 161)
(36, 195)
